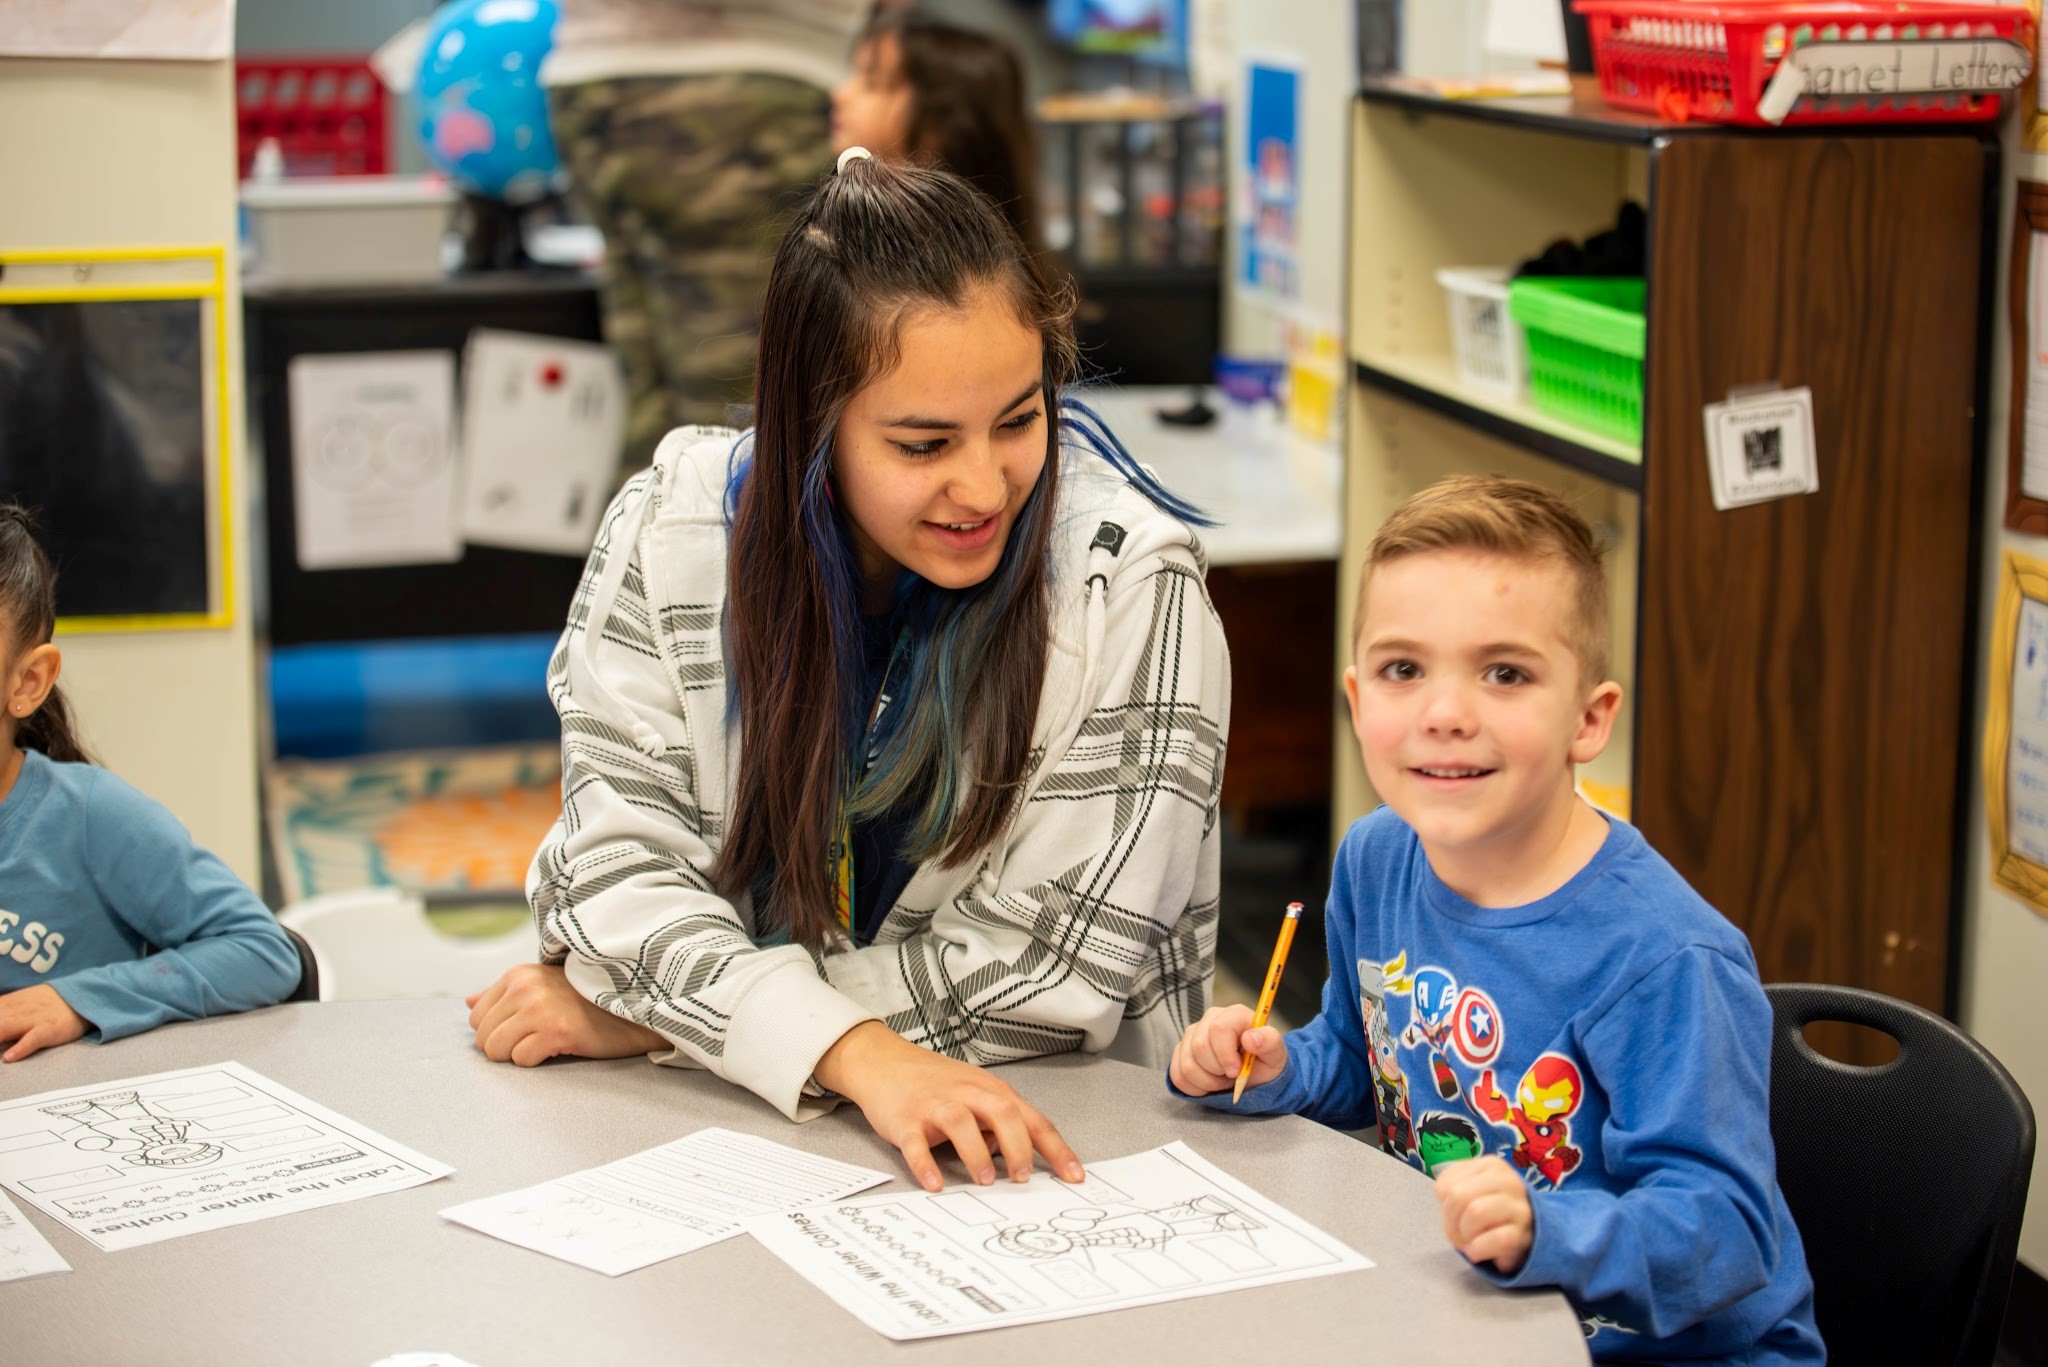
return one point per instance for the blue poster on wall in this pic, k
(1271, 200)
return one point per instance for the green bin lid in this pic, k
(1601, 311)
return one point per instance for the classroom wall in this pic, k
(1315, 38)
(2005, 941)
(142, 153)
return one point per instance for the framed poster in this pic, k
(2016, 732)
(113, 429)
(1269, 196)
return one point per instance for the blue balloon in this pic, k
(484, 115)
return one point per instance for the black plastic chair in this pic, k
(1908, 1180)
(308, 989)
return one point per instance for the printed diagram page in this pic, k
(662, 1202)
(1156, 1226)
(150, 1158)
(24, 1252)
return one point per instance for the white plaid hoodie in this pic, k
(1090, 926)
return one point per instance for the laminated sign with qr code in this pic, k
(1760, 447)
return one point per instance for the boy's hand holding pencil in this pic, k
(1235, 1040)
(1210, 1054)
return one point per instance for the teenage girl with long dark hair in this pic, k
(892, 729)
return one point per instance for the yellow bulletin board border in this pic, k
(2019, 577)
(130, 269)
(2033, 123)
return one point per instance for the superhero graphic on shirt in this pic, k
(1442, 1137)
(1540, 1115)
(1434, 994)
(1389, 1083)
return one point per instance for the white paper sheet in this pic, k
(1157, 1226)
(662, 1202)
(2034, 452)
(24, 1252)
(2026, 761)
(542, 420)
(178, 30)
(373, 459)
(151, 1158)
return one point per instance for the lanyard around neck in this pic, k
(839, 858)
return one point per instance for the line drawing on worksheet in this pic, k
(150, 1158)
(1151, 1227)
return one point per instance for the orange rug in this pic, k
(433, 820)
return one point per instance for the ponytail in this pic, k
(28, 605)
(49, 730)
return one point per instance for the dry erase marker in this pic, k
(1273, 971)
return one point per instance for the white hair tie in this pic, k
(854, 154)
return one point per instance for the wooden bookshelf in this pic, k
(1799, 672)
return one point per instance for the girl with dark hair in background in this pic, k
(93, 875)
(893, 729)
(927, 91)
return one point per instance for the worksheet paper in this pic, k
(662, 1202)
(151, 1158)
(1156, 1226)
(24, 1252)
(373, 459)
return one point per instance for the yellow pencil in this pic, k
(1273, 971)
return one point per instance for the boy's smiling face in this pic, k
(1470, 712)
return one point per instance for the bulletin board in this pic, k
(2016, 732)
(113, 429)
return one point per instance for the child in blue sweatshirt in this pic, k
(93, 875)
(1531, 1002)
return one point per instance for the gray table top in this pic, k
(355, 1283)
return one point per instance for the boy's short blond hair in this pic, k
(1505, 517)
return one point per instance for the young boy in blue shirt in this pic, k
(1530, 1001)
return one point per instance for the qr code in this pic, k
(1764, 450)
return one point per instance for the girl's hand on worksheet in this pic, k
(1209, 1055)
(916, 1098)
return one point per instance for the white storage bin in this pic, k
(347, 229)
(1486, 342)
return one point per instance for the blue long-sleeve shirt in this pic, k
(1611, 1040)
(93, 875)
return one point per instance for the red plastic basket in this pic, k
(1699, 59)
(327, 113)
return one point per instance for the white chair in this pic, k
(377, 943)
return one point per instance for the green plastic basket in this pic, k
(1585, 350)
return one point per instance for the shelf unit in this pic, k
(1798, 673)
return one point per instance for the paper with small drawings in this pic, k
(1157, 1226)
(24, 1252)
(149, 1158)
(662, 1202)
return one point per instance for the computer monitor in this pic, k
(1145, 30)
